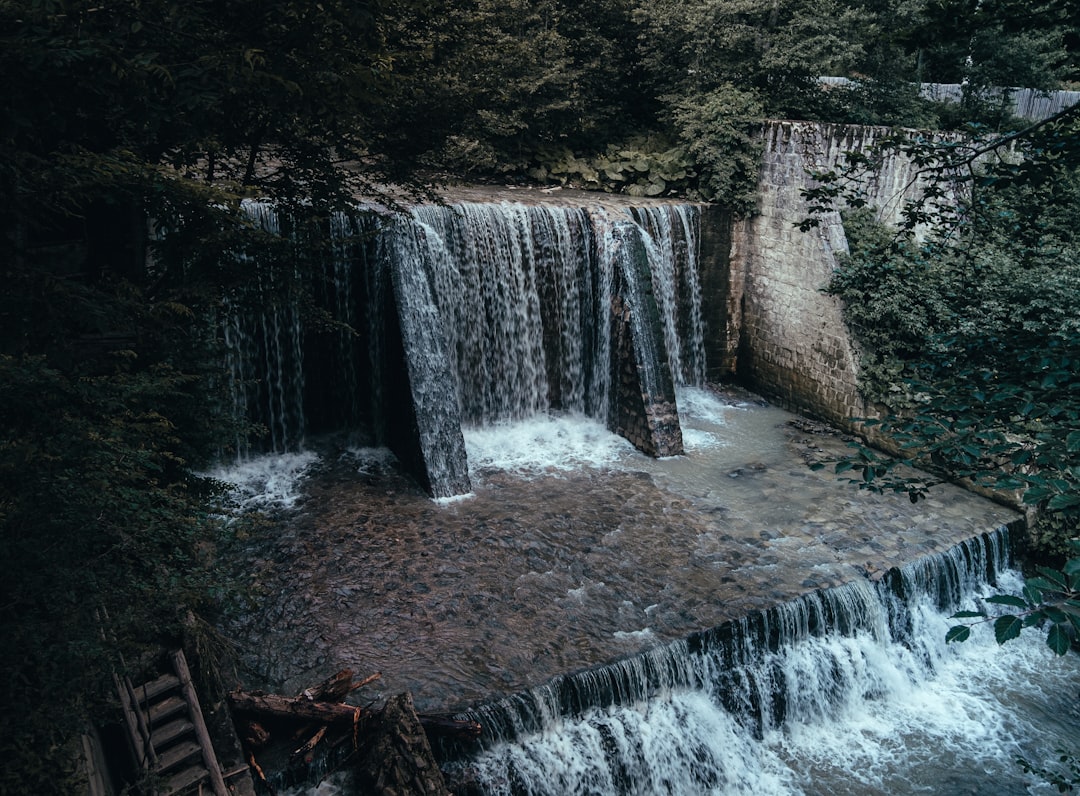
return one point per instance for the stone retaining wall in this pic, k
(792, 341)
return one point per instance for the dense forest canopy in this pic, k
(120, 112)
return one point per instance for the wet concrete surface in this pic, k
(541, 575)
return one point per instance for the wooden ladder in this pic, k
(168, 734)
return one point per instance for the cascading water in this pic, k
(851, 690)
(505, 309)
(264, 356)
(490, 264)
(671, 240)
(432, 400)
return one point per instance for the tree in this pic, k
(484, 85)
(989, 47)
(970, 335)
(116, 116)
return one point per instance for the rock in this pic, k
(398, 760)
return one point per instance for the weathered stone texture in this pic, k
(721, 289)
(649, 422)
(793, 344)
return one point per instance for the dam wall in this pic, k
(787, 338)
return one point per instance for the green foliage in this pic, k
(719, 162)
(105, 543)
(984, 46)
(775, 51)
(723, 131)
(1050, 600)
(482, 86)
(966, 316)
(116, 115)
(644, 166)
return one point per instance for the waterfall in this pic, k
(825, 694)
(263, 340)
(431, 404)
(671, 240)
(524, 293)
(475, 314)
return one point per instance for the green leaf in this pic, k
(1052, 575)
(1055, 615)
(1072, 442)
(1042, 585)
(1058, 639)
(1032, 593)
(967, 615)
(958, 633)
(1007, 628)
(1061, 502)
(1008, 599)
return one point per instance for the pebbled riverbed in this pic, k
(572, 550)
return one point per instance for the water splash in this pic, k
(269, 481)
(850, 690)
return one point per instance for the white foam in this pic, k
(701, 406)
(544, 444)
(273, 480)
(862, 715)
(639, 637)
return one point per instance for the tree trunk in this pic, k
(302, 709)
(296, 708)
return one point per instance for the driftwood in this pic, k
(295, 708)
(311, 742)
(445, 727)
(335, 688)
(394, 755)
(301, 709)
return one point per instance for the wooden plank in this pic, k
(138, 746)
(167, 733)
(177, 754)
(217, 782)
(183, 780)
(94, 766)
(165, 708)
(138, 724)
(148, 692)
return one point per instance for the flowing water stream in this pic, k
(721, 622)
(844, 686)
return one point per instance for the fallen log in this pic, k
(295, 708)
(302, 709)
(333, 689)
(445, 727)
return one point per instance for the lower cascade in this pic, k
(850, 690)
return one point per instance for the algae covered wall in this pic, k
(792, 342)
